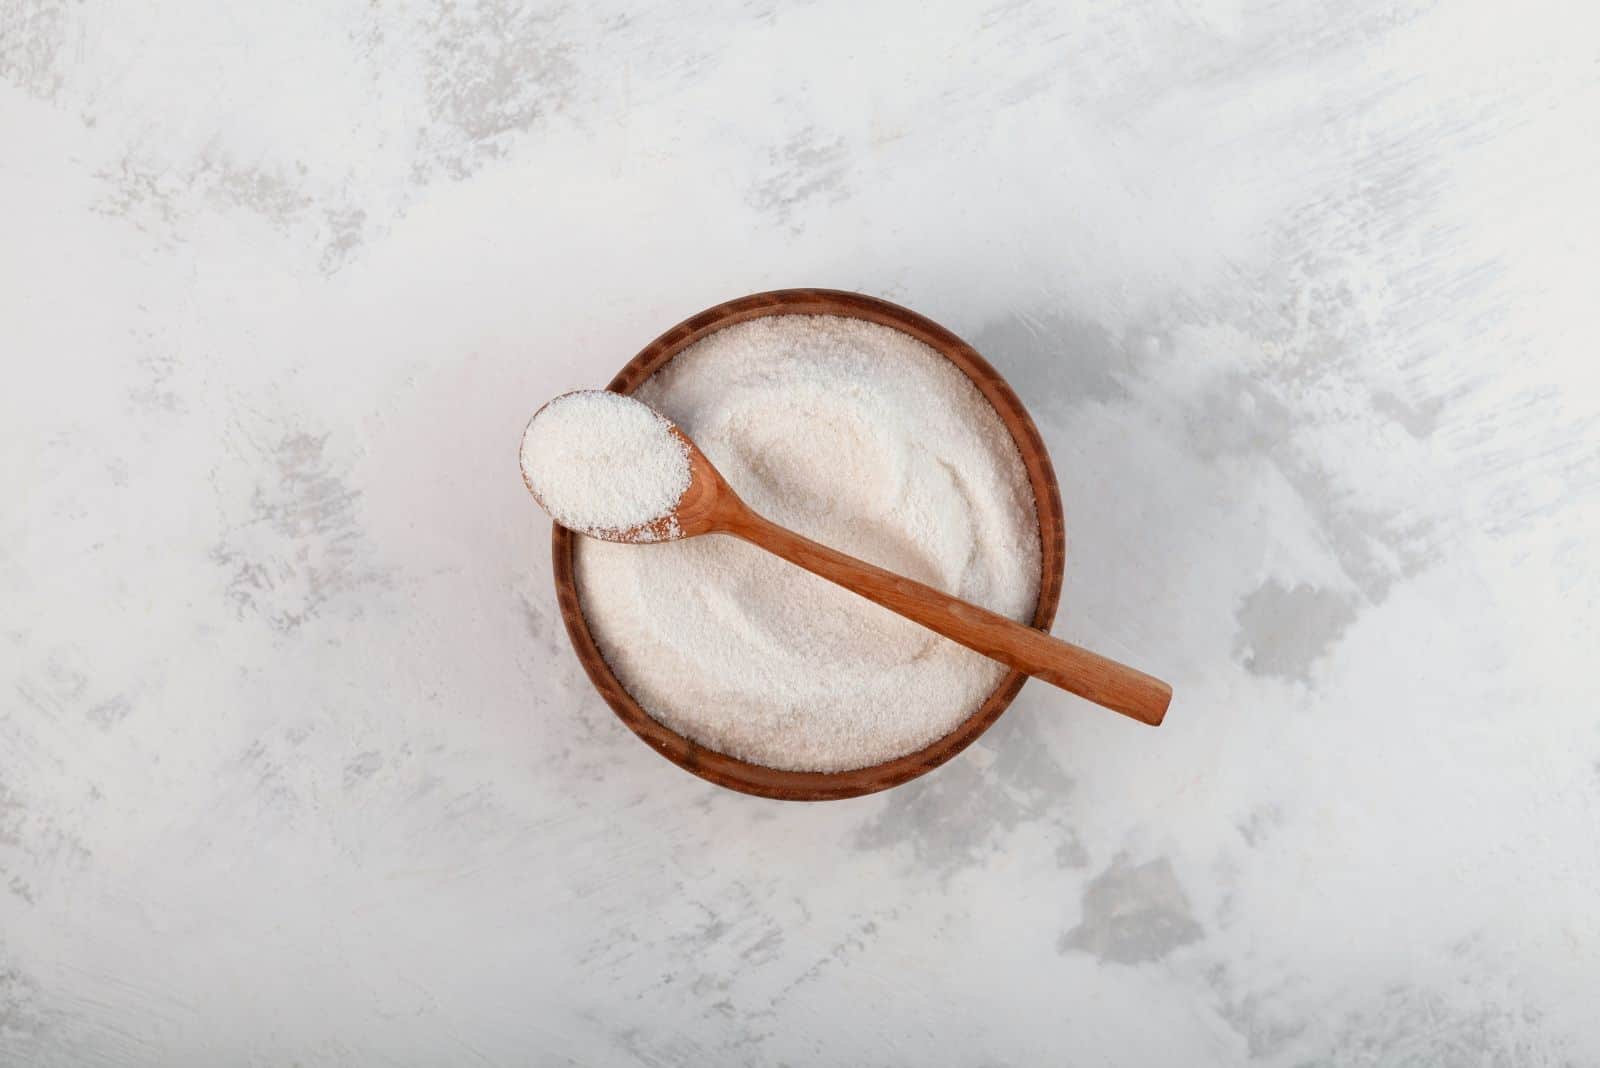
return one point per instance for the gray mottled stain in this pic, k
(1255, 1017)
(809, 165)
(159, 193)
(1066, 360)
(1406, 1027)
(1244, 416)
(361, 767)
(1008, 11)
(958, 816)
(658, 1050)
(1260, 823)
(266, 769)
(23, 840)
(273, 195)
(1283, 630)
(302, 545)
(346, 232)
(19, 887)
(764, 949)
(855, 941)
(1070, 853)
(32, 838)
(1132, 915)
(703, 935)
(1240, 416)
(1418, 420)
(156, 393)
(159, 198)
(494, 68)
(33, 34)
(710, 958)
(756, 938)
(147, 196)
(67, 681)
(21, 1016)
(107, 714)
(13, 814)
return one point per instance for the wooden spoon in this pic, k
(710, 506)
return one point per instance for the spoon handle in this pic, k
(1077, 670)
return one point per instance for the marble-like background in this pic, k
(296, 766)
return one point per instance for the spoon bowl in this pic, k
(706, 506)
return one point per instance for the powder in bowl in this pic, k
(604, 464)
(861, 437)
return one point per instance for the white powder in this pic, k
(602, 463)
(865, 439)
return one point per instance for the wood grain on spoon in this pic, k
(710, 505)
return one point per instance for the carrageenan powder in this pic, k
(867, 440)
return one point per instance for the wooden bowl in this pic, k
(751, 778)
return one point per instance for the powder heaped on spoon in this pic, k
(601, 463)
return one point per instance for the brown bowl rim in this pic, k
(755, 779)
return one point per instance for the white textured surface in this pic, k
(295, 764)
